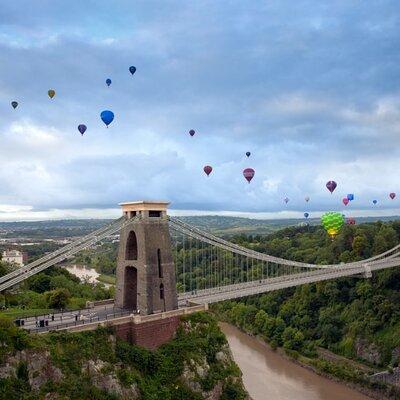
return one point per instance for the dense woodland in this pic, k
(342, 315)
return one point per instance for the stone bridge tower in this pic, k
(145, 267)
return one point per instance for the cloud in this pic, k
(313, 100)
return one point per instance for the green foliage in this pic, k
(233, 391)
(292, 338)
(58, 298)
(39, 283)
(12, 338)
(53, 288)
(157, 374)
(332, 314)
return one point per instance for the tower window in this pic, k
(154, 214)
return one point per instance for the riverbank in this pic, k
(287, 377)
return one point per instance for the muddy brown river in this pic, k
(269, 376)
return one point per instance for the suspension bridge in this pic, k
(208, 268)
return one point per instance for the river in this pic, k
(269, 376)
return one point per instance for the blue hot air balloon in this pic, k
(108, 81)
(374, 201)
(306, 214)
(350, 197)
(82, 128)
(132, 69)
(107, 117)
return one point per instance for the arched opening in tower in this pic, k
(131, 247)
(130, 297)
(160, 271)
(161, 292)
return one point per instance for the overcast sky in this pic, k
(311, 89)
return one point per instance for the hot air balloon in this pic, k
(345, 201)
(350, 221)
(307, 199)
(248, 153)
(286, 200)
(306, 214)
(14, 104)
(192, 132)
(207, 169)
(350, 197)
(108, 82)
(332, 222)
(392, 195)
(248, 173)
(82, 128)
(132, 69)
(51, 93)
(331, 186)
(374, 201)
(107, 117)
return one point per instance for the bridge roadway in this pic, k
(250, 288)
(206, 296)
(73, 318)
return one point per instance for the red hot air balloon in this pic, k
(192, 132)
(248, 173)
(351, 221)
(331, 186)
(207, 169)
(392, 195)
(345, 201)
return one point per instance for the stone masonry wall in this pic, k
(151, 334)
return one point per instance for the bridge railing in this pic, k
(89, 320)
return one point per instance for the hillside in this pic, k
(222, 225)
(356, 318)
(196, 365)
(231, 226)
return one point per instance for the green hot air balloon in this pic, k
(332, 222)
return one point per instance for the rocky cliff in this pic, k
(195, 365)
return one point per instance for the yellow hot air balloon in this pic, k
(51, 93)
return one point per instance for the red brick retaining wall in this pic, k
(150, 334)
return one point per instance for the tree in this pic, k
(292, 338)
(39, 283)
(364, 289)
(330, 324)
(58, 298)
(360, 245)
(385, 239)
(3, 269)
(260, 320)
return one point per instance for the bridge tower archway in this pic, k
(131, 250)
(130, 290)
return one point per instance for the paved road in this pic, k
(57, 320)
